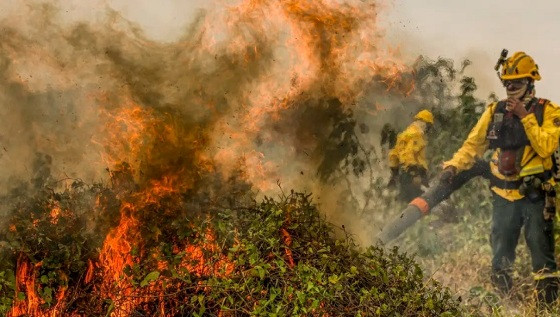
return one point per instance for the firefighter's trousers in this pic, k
(507, 221)
(409, 186)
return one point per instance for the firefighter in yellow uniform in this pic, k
(523, 132)
(407, 159)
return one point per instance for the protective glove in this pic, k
(447, 174)
(417, 180)
(424, 175)
(425, 181)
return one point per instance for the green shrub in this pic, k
(274, 258)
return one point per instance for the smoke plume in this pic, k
(254, 85)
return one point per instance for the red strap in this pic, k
(421, 204)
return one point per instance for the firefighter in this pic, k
(407, 160)
(523, 132)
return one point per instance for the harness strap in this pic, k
(503, 184)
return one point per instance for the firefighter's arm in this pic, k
(475, 145)
(417, 141)
(544, 139)
(395, 154)
(418, 149)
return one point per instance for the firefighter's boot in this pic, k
(502, 281)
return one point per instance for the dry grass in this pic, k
(458, 255)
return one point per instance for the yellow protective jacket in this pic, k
(535, 158)
(410, 148)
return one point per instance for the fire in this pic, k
(128, 130)
(89, 273)
(28, 301)
(195, 262)
(330, 49)
(173, 121)
(114, 257)
(123, 248)
(55, 214)
(25, 282)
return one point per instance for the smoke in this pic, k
(252, 89)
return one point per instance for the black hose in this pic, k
(432, 197)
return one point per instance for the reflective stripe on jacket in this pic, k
(410, 148)
(536, 156)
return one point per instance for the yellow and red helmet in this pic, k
(520, 65)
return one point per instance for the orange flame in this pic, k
(303, 49)
(27, 300)
(25, 285)
(55, 213)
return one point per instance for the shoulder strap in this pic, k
(500, 106)
(539, 109)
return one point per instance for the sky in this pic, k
(479, 30)
(474, 29)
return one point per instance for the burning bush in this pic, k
(165, 255)
(201, 122)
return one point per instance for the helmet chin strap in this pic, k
(528, 90)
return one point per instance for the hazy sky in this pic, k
(477, 29)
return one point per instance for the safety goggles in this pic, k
(515, 84)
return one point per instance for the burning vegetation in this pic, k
(166, 148)
(167, 254)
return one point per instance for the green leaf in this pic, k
(110, 309)
(430, 304)
(259, 271)
(309, 285)
(47, 295)
(333, 279)
(152, 276)
(315, 304)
